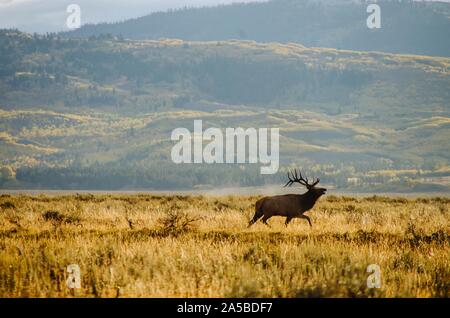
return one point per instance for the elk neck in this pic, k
(309, 198)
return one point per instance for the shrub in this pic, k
(176, 222)
(8, 205)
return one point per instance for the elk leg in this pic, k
(265, 218)
(307, 218)
(257, 216)
(288, 219)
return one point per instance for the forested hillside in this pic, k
(98, 112)
(406, 26)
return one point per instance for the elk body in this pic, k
(289, 205)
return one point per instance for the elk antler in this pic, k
(294, 177)
(315, 182)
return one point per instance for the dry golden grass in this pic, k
(197, 246)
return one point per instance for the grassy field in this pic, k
(199, 246)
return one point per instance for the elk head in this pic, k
(295, 177)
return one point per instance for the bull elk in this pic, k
(289, 205)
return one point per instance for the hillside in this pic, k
(98, 113)
(406, 26)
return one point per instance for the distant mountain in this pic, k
(406, 26)
(98, 113)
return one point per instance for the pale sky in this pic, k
(50, 15)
